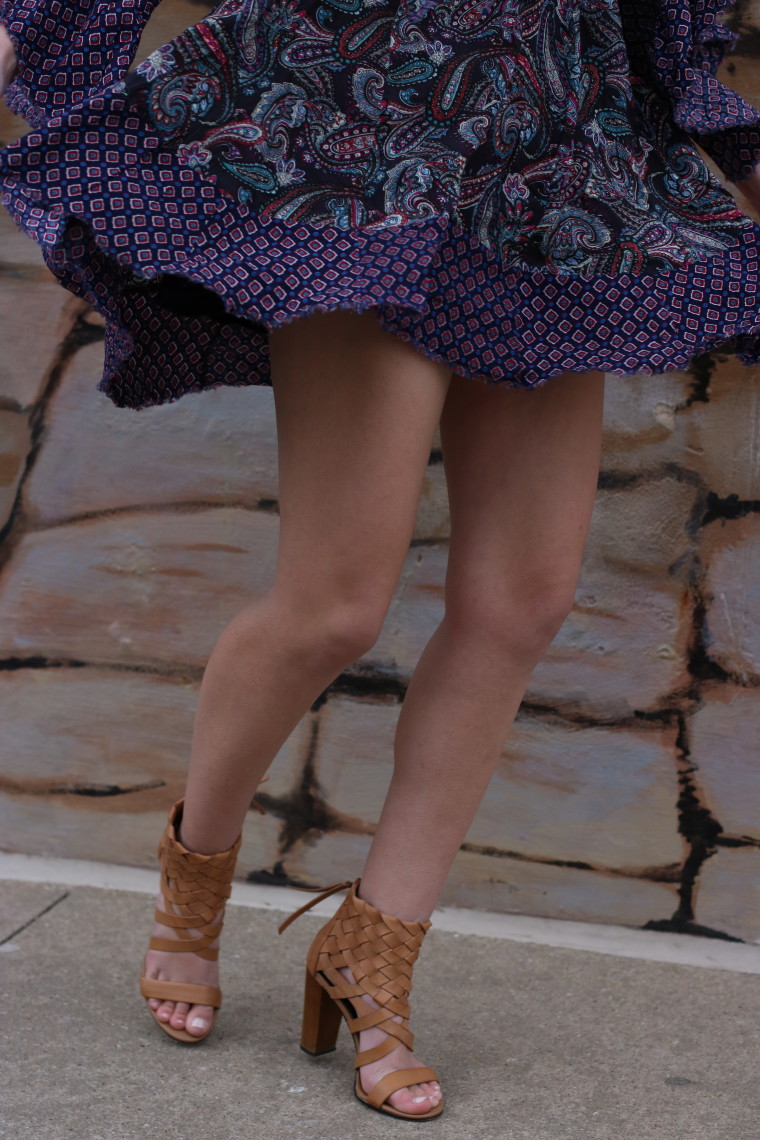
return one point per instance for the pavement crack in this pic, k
(30, 922)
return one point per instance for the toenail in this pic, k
(417, 1099)
(198, 1023)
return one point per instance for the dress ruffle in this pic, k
(683, 43)
(211, 195)
(69, 50)
(198, 319)
(74, 49)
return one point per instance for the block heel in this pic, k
(321, 1019)
(380, 951)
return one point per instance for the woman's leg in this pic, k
(356, 411)
(522, 471)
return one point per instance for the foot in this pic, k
(186, 967)
(413, 1098)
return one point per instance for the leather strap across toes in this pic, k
(191, 992)
(392, 1082)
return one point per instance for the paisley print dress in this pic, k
(512, 185)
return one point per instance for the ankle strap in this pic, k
(324, 893)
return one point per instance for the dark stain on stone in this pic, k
(701, 832)
(79, 336)
(520, 857)
(739, 18)
(186, 674)
(436, 541)
(749, 44)
(276, 877)
(621, 480)
(666, 874)
(737, 841)
(44, 787)
(737, 15)
(693, 525)
(270, 506)
(13, 664)
(186, 506)
(574, 716)
(612, 480)
(700, 665)
(304, 814)
(670, 873)
(366, 681)
(701, 370)
(728, 509)
(677, 926)
(106, 789)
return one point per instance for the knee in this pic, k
(330, 627)
(349, 629)
(520, 622)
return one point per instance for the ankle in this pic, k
(406, 909)
(196, 840)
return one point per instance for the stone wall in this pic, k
(629, 791)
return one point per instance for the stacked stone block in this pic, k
(629, 790)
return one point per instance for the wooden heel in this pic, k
(321, 1019)
(380, 950)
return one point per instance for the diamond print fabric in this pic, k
(516, 209)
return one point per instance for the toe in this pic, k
(199, 1019)
(416, 1098)
(411, 1100)
(180, 1014)
(165, 1010)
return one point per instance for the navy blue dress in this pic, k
(513, 186)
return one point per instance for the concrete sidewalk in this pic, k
(531, 1042)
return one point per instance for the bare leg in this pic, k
(357, 411)
(522, 471)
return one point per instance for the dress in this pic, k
(512, 185)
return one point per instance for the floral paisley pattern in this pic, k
(517, 119)
(511, 185)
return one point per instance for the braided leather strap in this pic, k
(195, 887)
(380, 951)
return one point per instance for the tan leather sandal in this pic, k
(196, 888)
(380, 951)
